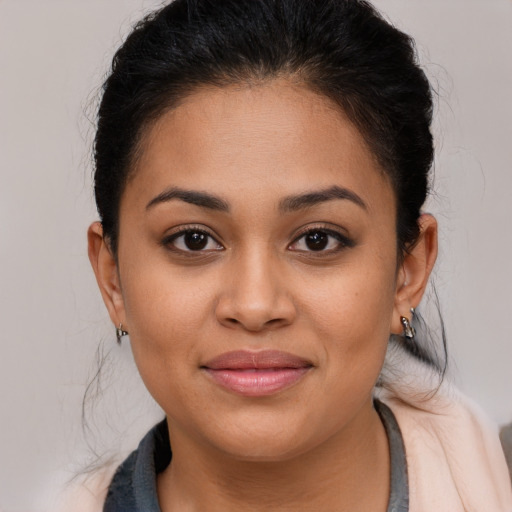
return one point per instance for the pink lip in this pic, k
(257, 373)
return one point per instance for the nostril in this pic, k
(254, 313)
(254, 326)
(274, 321)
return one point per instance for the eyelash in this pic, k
(342, 241)
(169, 241)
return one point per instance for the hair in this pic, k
(342, 49)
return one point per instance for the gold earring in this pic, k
(120, 333)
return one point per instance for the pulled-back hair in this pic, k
(343, 49)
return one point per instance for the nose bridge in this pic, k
(255, 295)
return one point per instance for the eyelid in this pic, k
(336, 232)
(327, 228)
(180, 231)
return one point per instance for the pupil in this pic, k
(317, 241)
(196, 241)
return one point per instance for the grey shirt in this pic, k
(133, 487)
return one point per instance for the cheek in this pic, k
(351, 313)
(161, 298)
(167, 315)
(355, 299)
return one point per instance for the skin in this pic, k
(318, 445)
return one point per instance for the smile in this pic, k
(257, 373)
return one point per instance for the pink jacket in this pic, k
(454, 456)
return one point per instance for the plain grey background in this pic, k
(53, 57)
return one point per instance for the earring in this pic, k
(409, 331)
(120, 333)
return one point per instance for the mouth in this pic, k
(257, 373)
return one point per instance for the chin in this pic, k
(266, 442)
(264, 451)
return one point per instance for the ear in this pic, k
(413, 274)
(107, 275)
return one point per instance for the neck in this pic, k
(348, 472)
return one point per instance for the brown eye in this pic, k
(195, 241)
(192, 240)
(321, 241)
(316, 240)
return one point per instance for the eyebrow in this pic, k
(299, 202)
(201, 199)
(286, 205)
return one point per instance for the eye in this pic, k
(192, 240)
(320, 240)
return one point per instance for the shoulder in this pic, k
(130, 485)
(454, 456)
(88, 493)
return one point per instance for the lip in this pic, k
(256, 374)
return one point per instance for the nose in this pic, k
(255, 295)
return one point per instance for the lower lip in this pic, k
(261, 382)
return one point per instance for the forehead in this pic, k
(255, 142)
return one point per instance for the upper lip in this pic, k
(265, 359)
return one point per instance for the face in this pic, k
(257, 269)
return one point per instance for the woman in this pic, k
(260, 172)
